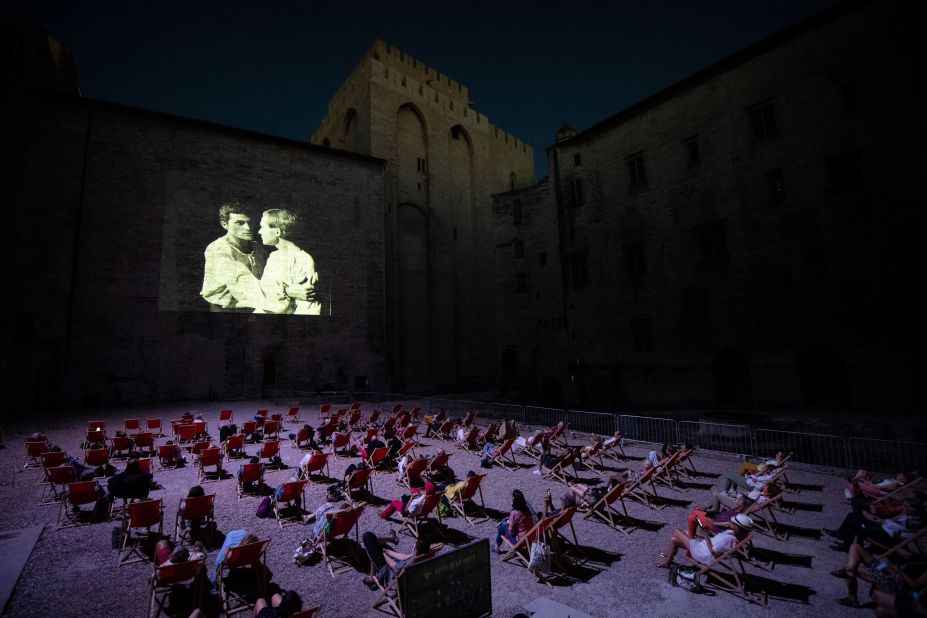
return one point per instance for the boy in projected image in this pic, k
(287, 266)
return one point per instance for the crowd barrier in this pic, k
(819, 450)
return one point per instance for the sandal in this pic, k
(663, 565)
(840, 574)
(848, 602)
(370, 582)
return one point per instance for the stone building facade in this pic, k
(445, 162)
(744, 237)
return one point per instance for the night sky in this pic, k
(272, 66)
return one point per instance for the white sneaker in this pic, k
(535, 472)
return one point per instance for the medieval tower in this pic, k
(445, 161)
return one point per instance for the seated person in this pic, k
(714, 520)
(406, 459)
(281, 605)
(776, 462)
(172, 457)
(130, 484)
(860, 526)
(519, 522)
(387, 562)
(451, 491)
(392, 442)
(632, 476)
(614, 440)
(334, 501)
(166, 554)
(409, 504)
(371, 446)
(882, 574)
(522, 442)
(349, 472)
(241, 470)
(749, 481)
(195, 492)
(585, 495)
(705, 550)
(279, 490)
(555, 430)
(759, 496)
(567, 501)
(234, 539)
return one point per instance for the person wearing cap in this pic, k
(705, 550)
(410, 505)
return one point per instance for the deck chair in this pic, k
(341, 440)
(165, 580)
(360, 479)
(379, 459)
(638, 492)
(521, 551)
(198, 447)
(76, 495)
(96, 425)
(413, 523)
(292, 415)
(490, 433)
(169, 456)
(373, 418)
(445, 432)
(51, 459)
(354, 419)
(437, 464)
(505, 456)
(277, 416)
(558, 537)
(410, 434)
(253, 557)
(325, 410)
(234, 447)
(226, 417)
(614, 450)
(397, 408)
(302, 440)
(407, 447)
(210, 457)
(153, 425)
(764, 517)
(916, 540)
(727, 572)
(57, 480)
(469, 419)
(605, 511)
(247, 429)
(292, 491)
(467, 497)
(559, 435)
(97, 458)
(34, 451)
(144, 442)
(592, 459)
(559, 471)
(389, 593)
(315, 465)
(269, 450)
(184, 433)
(144, 514)
(272, 429)
(412, 473)
(370, 435)
(403, 420)
(471, 440)
(200, 430)
(532, 447)
(131, 426)
(251, 474)
(200, 509)
(389, 424)
(340, 524)
(666, 469)
(899, 491)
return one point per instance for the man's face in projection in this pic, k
(239, 226)
(270, 236)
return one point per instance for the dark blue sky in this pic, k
(273, 66)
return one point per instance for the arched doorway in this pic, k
(825, 380)
(731, 372)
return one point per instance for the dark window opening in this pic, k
(577, 159)
(695, 156)
(642, 331)
(712, 239)
(576, 192)
(519, 249)
(455, 133)
(636, 173)
(516, 213)
(634, 255)
(521, 282)
(579, 271)
(763, 120)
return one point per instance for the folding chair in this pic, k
(51, 459)
(360, 479)
(593, 455)
(97, 458)
(412, 523)
(226, 417)
(198, 447)
(437, 464)
(57, 480)
(916, 539)
(354, 419)
(410, 434)
(397, 408)
(251, 474)
(467, 496)
(247, 429)
(665, 470)
(470, 441)
(292, 415)
(521, 551)
(166, 578)
(303, 439)
(532, 447)
(131, 426)
(469, 419)
(412, 473)
(341, 441)
(379, 458)
(903, 489)
(324, 410)
(169, 456)
(144, 442)
(604, 510)
(272, 429)
(292, 491)
(389, 593)
(210, 457)
(373, 418)
(556, 533)
(403, 420)
(613, 448)
(120, 447)
(153, 425)
(408, 447)
(370, 435)
(76, 495)
(276, 416)
(94, 438)
(96, 426)
(184, 433)
(34, 451)
(198, 509)
(315, 465)
(489, 433)
(764, 518)
(559, 436)
(143, 514)
(253, 556)
(200, 431)
(637, 490)
(340, 524)
(727, 572)
(505, 456)
(389, 424)
(234, 447)
(269, 450)
(559, 471)
(445, 432)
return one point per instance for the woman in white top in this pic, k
(705, 550)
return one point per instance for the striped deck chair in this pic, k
(559, 471)
(505, 456)
(605, 511)
(638, 490)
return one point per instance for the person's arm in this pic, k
(273, 285)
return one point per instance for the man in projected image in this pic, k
(231, 281)
(288, 266)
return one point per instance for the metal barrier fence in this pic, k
(598, 423)
(887, 456)
(720, 437)
(542, 417)
(807, 448)
(507, 411)
(647, 429)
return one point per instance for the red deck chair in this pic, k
(169, 456)
(445, 433)
(292, 415)
(403, 419)
(340, 524)
(200, 430)
(559, 435)
(131, 426)
(94, 437)
(592, 459)
(437, 464)
(521, 550)
(276, 416)
(210, 457)
(638, 492)
(325, 410)
(196, 509)
(250, 474)
(471, 441)
(234, 446)
(198, 447)
(247, 430)
(96, 425)
(356, 405)
(505, 456)
(354, 419)
(441, 416)
(315, 465)
(96, 458)
(302, 439)
(532, 446)
(167, 577)
(326, 431)
(416, 414)
(252, 555)
(557, 533)
(292, 491)
(185, 433)
(272, 429)
(226, 417)
(58, 478)
(559, 471)
(469, 419)
(413, 523)
(144, 514)
(51, 459)
(410, 434)
(489, 433)
(371, 434)
(467, 496)
(34, 451)
(379, 459)
(389, 424)
(397, 408)
(390, 591)
(374, 417)
(187, 417)
(408, 447)
(76, 495)
(144, 442)
(262, 413)
(605, 511)
(412, 474)
(154, 426)
(342, 441)
(269, 450)
(360, 479)
(120, 447)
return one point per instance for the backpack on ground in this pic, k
(264, 508)
(687, 578)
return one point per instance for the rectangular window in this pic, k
(636, 172)
(521, 282)
(763, 120)
(642, 331)
(775, 184)
(577, 160)
(843, 172)
(634, 255)
(576, 192)
(695, 156)
(542, 258)
(712, 239)
(519, 249)
(579, 271)
(516, 213)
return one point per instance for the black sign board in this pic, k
(455, 584)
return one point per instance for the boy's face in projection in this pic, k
(239, 226)
(270, 236)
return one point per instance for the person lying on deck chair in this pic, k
(705, 550)
(409, 504)
(776, 462)
(882, 574)
(729, 500)
(859, 525)
(585, 495)
(389, 562)
(713, 520)
(519, 522)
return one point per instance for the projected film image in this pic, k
(246, 260)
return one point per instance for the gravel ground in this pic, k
(72, 572)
